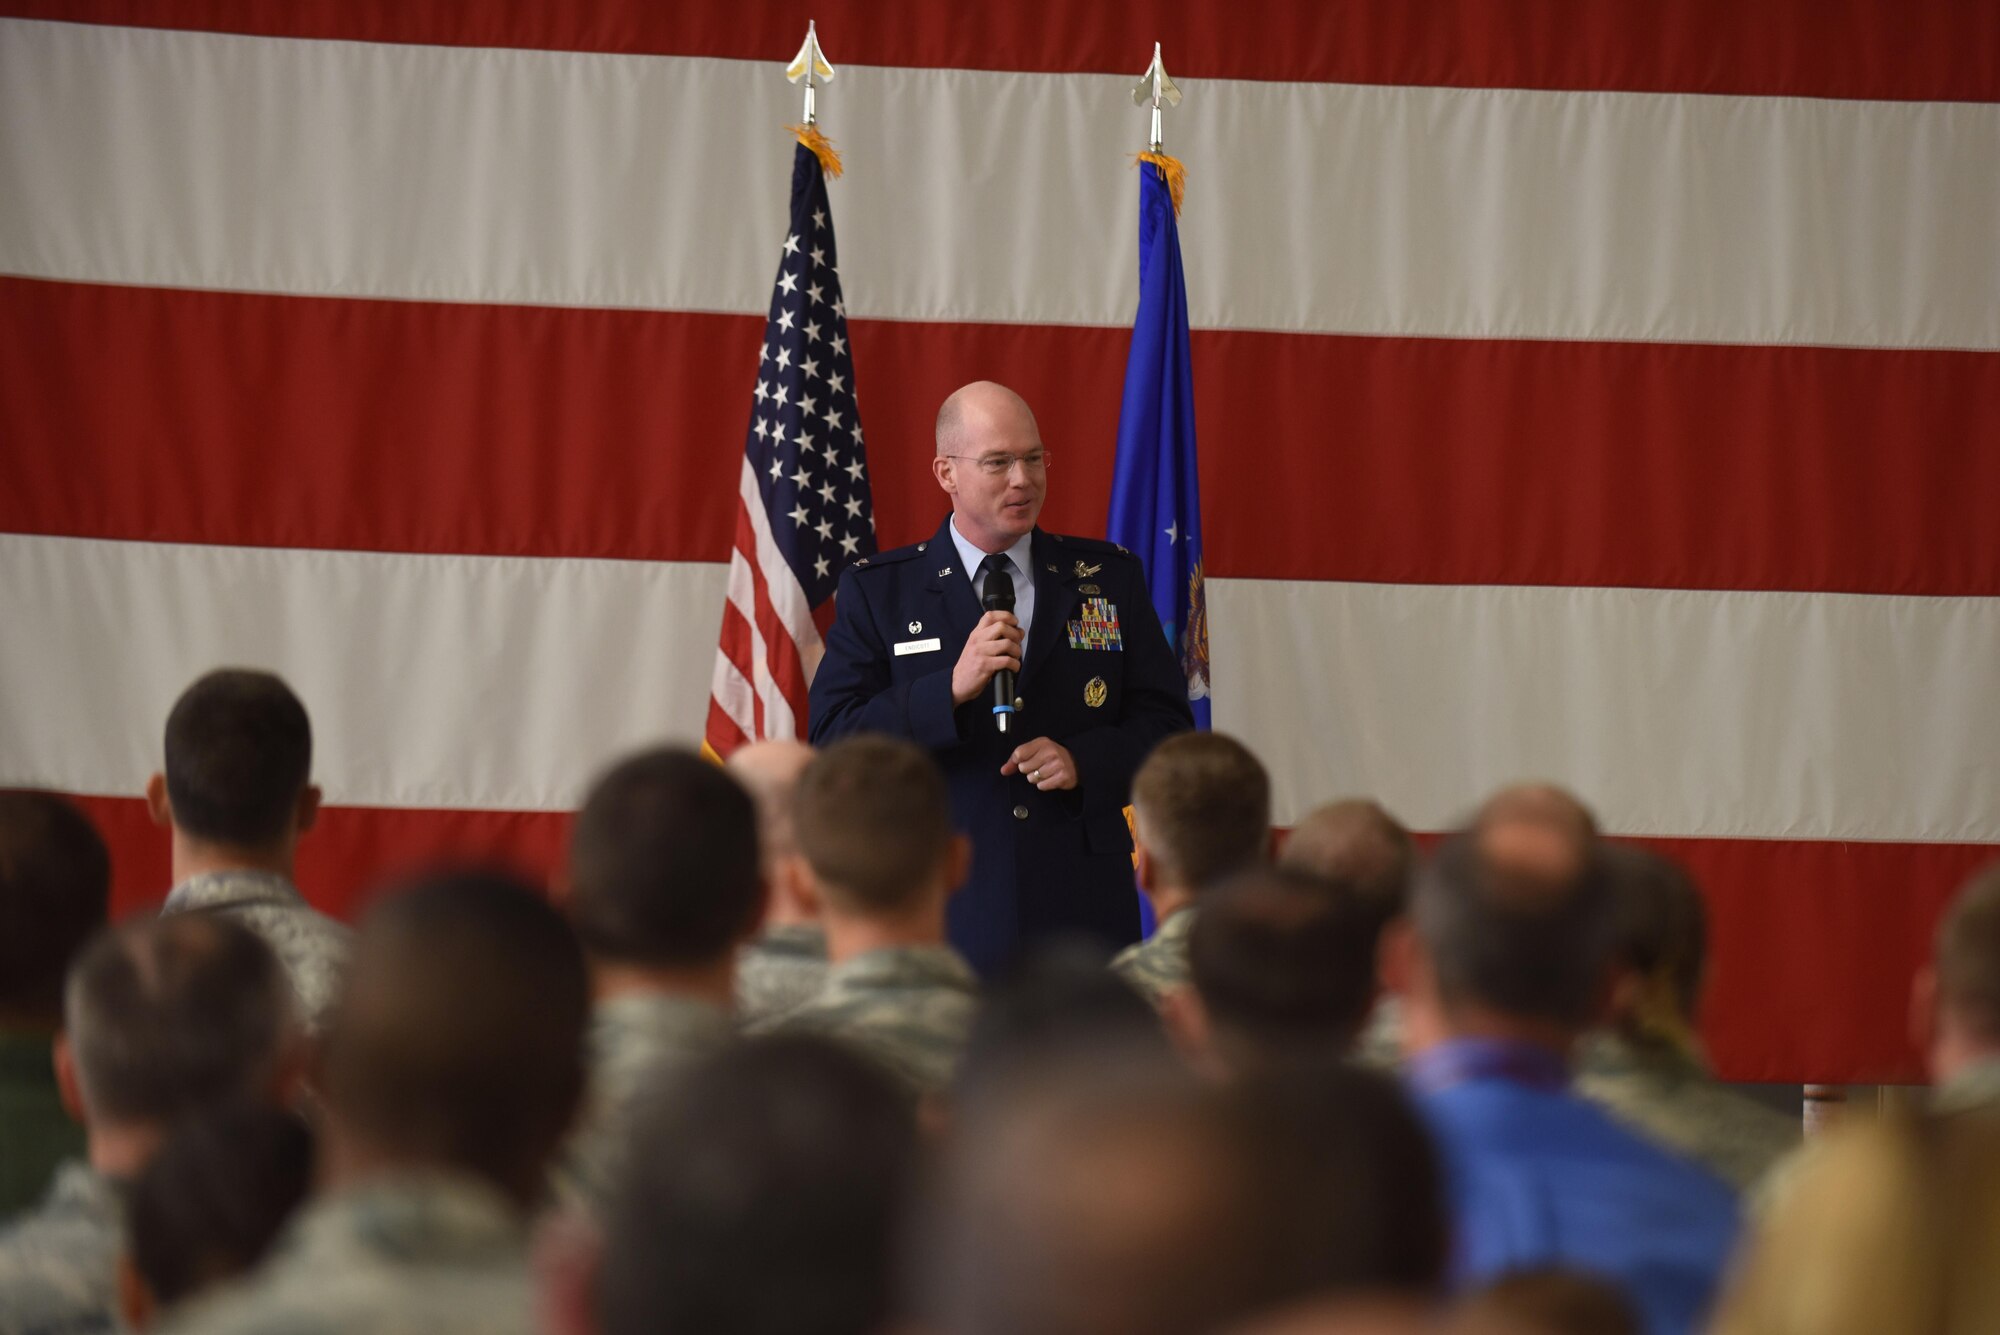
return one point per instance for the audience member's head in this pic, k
(664, 864)
(1957, 1002)
(1097, 1197)
(1659, 949)
(1537, 826)
(1894, 1225)
(1509, 940)
(764, 1198)
(55, 889)
(165, 1017)
(1283, 967)
(459, 1042)
(873, 818)
(1058, 1003)
(1201, 811)
(1351, 1184)
(770, 772)
(210, 1204)
(1550, 1300)
(1357, 843)
(238, 761)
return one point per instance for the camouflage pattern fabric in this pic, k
(429, 1254)
(1159, 964)
(1381, 1043)
(1673, 1100)
(59, 1263)
(780, 971)
(312, 946)
(635, 1041)
(909, 1007)
(1974, 1090)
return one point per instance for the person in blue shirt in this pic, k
(1503, 966)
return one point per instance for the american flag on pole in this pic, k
(802, 501)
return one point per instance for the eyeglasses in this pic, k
(999, 465)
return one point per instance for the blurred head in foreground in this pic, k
(764, 1198)
(1955, 1004)
(1894, 1225)
(1547, 1301)
(459, 1043)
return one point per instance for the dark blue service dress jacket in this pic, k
(1096, 676)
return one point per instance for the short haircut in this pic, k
(769, 771)
(1093, 1197)
(1660, 933)
(459, 1041)
(1057, 1001)
(1204, 807)
(764, 1197)
(874, 821)
(1357, 843)
(55, 892)
(1284, 964)
(208, 1206)
(1526, 941)
(1968, 954)
(1353, 1182)
(166, 1016)
(238, 754)
(664, 865)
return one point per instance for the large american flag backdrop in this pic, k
(1609, 393)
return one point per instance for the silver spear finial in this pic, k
(1155, 87)
(810, 65)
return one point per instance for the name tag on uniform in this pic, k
(1098, 627)
(918, 647)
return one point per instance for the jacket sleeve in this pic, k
(854, 690)
(1155, 706)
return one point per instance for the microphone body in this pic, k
(999, 597)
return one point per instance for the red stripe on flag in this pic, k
(1814, 943)
(781, 648)
(1798, 48)
(738, 644)
(144, 413)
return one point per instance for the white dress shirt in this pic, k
(1018, 556)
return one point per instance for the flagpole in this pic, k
(1155, 87)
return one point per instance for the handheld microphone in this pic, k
(999, 597)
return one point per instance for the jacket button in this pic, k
(1020, 813)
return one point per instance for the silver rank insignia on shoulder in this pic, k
(1085, 571)
(1095, 692)
(916, 627)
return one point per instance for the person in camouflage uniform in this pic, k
(450, 1073)
(664, 887)
(55, 890)
(1357, 844)
(235, 793)
(1201, 812)
(784, 965)
(874, 824)
(162, 1018)
(1644, 1065)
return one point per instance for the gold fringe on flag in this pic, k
(822, 147)
(1172, 170)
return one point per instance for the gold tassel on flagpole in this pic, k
(1171, 171)
(822, 148)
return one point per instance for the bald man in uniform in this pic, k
(912, 655)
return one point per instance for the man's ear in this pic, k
(941, 470)
(1396, 958)
(1186, 1022)
(135, 1296)
(958, 862)
(800, 887)
(306, 814)
(1923, 1017)
(157, 805)
(69, 1086)
(1146, 868)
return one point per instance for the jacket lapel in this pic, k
(950, 587)
(1055, 601)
